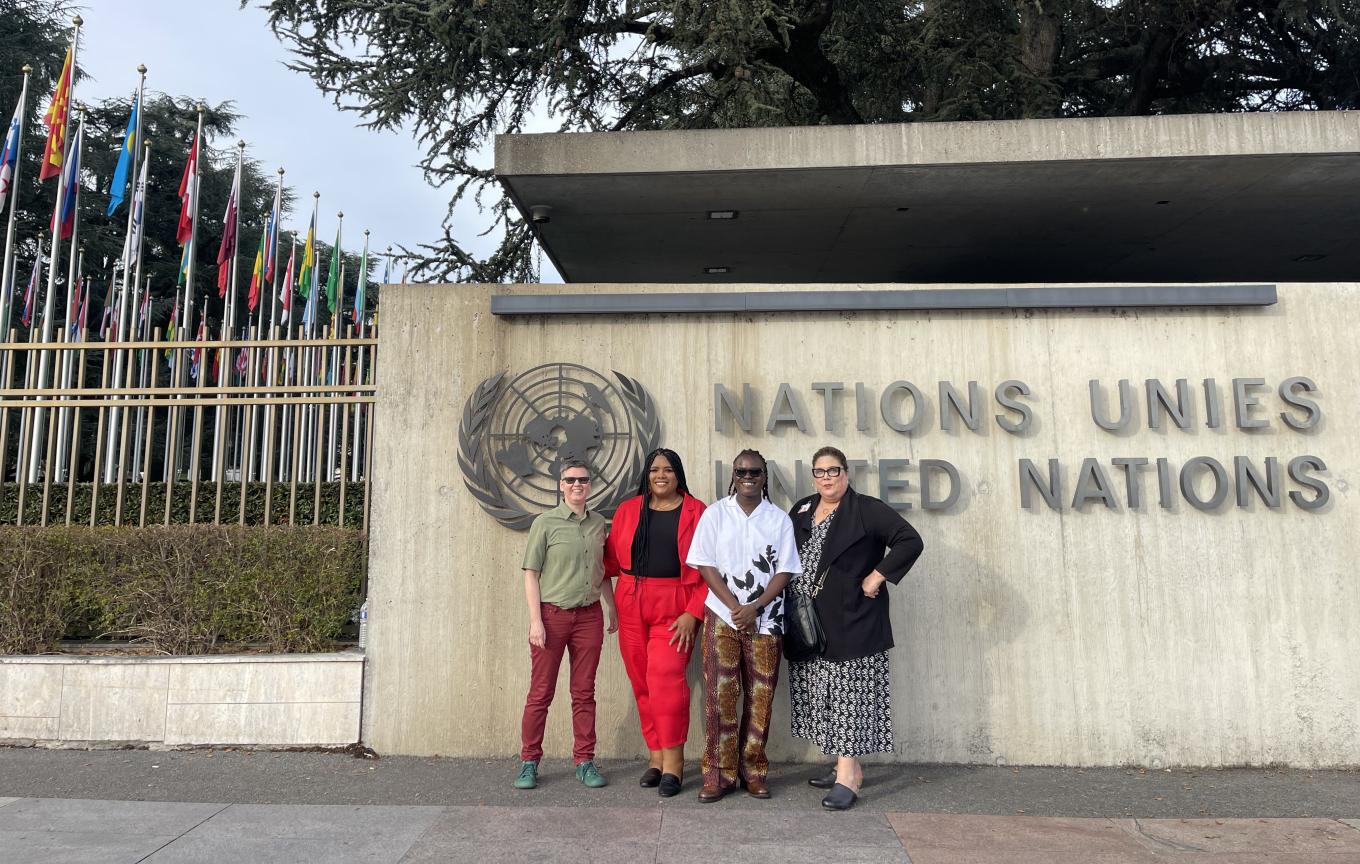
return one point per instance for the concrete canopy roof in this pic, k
(1227, 197)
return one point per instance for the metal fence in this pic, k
(255, 431)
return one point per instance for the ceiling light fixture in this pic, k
(722, 214)
(717, 271)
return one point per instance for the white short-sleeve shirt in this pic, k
(748, 551)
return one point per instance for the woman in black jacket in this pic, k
(850, 544)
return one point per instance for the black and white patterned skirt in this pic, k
(844, 707)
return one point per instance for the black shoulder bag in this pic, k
(804, 638)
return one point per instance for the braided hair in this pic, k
(765, 474)
(640, 562)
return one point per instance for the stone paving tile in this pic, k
(495, 828)
(1247, 835)
(939, 831)
(1261, 858)
(29, 846)
(205, 848)
(4, 801)
(529, 848)
(104, 817)
(777, 853)
(320, 820)
(813, 827)
(980, 855)
(1354, 823)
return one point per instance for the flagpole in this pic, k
(25, 416)
(308, 371)
(65, 413)
(7, 273)
(334, 368)
(45, 360)
(228, 321)
(285, 442)
(276, 216)
(193, 230)
(359, 355)
(121, 300)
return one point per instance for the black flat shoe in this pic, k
(823, 781)
(650, 778)
(669, 786)
(840, 798)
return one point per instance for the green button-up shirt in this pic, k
(568, 552)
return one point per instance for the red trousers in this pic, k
(581, 632)
(656, 669)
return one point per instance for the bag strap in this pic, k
(821, 580)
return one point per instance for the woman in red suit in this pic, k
(660, 604)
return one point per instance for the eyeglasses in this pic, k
(833, 471)
(747, 472)
(573, 481)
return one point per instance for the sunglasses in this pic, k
(747, 472)
(573, 481)
(833, 471)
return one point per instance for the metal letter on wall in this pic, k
(517, 432)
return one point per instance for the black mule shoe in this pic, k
(669, 786)
(650, 778)
(823, 781)
(840, 798)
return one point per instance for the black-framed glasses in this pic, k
(833, 471)
(573, 481)
(747, 472)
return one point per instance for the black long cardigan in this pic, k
(855, 625)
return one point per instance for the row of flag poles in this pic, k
(269, 298)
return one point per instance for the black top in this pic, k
(663, 549)
(863, 531)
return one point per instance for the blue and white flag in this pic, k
(120, 174)
(9, 157)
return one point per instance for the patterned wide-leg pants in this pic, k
(741, 670)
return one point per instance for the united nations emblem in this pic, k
(517, 432)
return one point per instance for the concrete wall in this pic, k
(298, 700)
(1085, 636)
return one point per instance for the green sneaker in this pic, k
(528, 776)
(588, 774)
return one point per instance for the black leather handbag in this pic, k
(804, 638)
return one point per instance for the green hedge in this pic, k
(180, 589)
(179, 508)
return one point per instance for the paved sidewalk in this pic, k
(123, 807)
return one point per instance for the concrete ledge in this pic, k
(290, 700)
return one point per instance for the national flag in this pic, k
(106, 321)
(171, 330)
(72, 311)
(84, 306)
(333, 276)
(271, 250)
(306, 274)
(184, 263)
(226, 253)
(120, 174)
(70, 176)
(31, 293)
(144, 309)
(242, 362)
(9, 157)
(286, 292)
(55, 119)
(138, 207)
(358, 312)
(196, 354)
(257, 272)
(187, 192)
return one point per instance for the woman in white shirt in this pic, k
(744, 548)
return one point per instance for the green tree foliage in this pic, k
(37, 33)
(460, 71)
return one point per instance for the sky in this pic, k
(195, 48)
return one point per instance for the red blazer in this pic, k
(618, 547)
